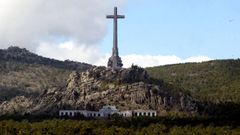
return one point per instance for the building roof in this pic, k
(109, 107)
(140, 110)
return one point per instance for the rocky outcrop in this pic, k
(126, 88)
(17, 105)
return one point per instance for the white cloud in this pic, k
(150, 60)
(93, 55)
(67, 45)
(70, 50)
(28, 23)
(197, 59)
(67, 29)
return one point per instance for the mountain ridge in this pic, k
(22, 80)
(22, 55)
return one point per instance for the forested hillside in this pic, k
(214, 81)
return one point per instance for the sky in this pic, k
(154, 32)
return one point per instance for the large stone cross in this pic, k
(115, 61)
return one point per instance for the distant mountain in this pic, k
(23, 73)
(22, 55)
(214, 81)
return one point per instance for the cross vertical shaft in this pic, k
(115, 61)
(115, 32)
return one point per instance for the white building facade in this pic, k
(138, 113)
(107, 111)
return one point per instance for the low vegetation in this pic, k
(133, 126)
(18, 79)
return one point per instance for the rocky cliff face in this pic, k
(126, 88)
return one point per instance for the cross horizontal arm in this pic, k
(121, 16)
(118, 16)
(110, 16)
